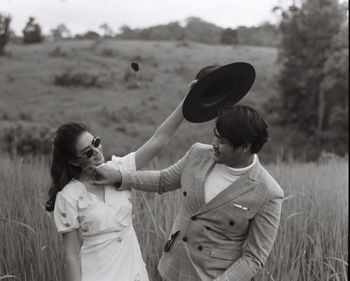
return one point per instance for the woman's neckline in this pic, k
(87, 190)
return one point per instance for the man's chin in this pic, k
(216, 158)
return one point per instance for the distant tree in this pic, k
(170, 31)
(125, 29)
(268, 34)
(127, 32)
(176, 30)
(265, 34)
(89, 35)
(333, 119)
(92, 35)
(4, 32)
(32, 32)
(311, 91)
(107, 31)
(201, 31)
(229, 37)
(60, 32)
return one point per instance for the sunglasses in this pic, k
(89, 152)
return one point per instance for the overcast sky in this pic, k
(82, 15)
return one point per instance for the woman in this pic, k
(98, 237)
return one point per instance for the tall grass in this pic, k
(312, 242)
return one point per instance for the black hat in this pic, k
(217, 86)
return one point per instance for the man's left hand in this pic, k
(105, 175)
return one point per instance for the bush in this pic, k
(57, 52)
(229, 37)
(84, 79)
(106, 52)
(32, 32)
(133, 80)
(182, 43)
(144, 60)
(4, 116)
(22, 138)
(89, 35)
(25, 116)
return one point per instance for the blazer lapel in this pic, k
(204, 169)
(242, 185)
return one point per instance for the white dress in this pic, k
(110, 250)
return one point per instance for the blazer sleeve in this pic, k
(155, 181)
(260, 239)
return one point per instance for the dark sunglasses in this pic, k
(89, 152)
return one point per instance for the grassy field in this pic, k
(312, 243)
(123, 107)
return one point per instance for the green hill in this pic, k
(47, 84)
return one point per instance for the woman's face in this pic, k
(88, 145)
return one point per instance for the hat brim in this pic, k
(227, 84)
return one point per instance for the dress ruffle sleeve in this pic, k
(125, 164)
(65, 213)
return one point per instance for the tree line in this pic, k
(314, 89)
(195, 29)
(198, 30)
(312, 37)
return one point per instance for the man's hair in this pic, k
(242, 125)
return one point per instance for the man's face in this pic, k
(223, 151)
(225, 154)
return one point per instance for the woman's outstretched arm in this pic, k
(161, 137)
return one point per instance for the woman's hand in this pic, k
(105, 175)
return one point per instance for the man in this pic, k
(231, 205)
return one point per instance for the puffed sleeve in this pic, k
(123, 164)
(65, 213)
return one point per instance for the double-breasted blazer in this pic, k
(227, 239)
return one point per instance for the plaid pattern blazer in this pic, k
(226, 239)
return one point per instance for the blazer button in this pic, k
(193, 218)
(184, 239)
(184, 193)
(232, 222)
(200, 248)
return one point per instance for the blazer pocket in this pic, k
(242, 211)
(225, 254)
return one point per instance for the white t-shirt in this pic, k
(221, 177)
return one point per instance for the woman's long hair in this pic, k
(62, 171)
